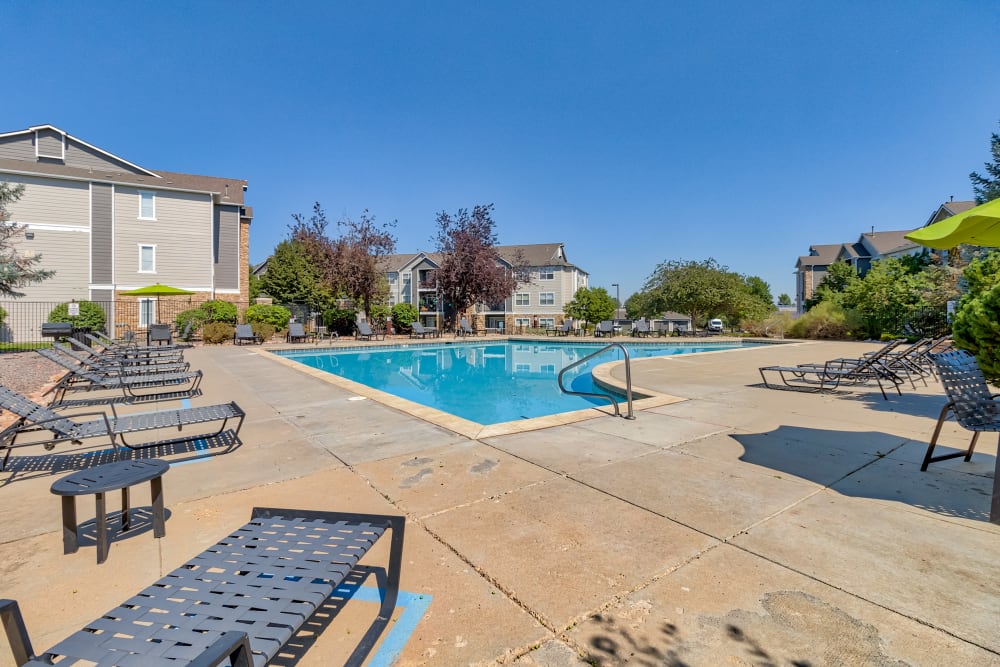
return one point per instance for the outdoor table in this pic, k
(99, 480)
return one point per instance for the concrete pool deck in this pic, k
(739, 525)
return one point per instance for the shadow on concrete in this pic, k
(20, 468)
(141, 521)
(859, 464)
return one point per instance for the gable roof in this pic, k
(227, 190)
(820, 255)
(887, 243)
(948, 209)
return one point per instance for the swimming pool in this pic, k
(483, 382)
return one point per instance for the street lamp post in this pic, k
(618, 299)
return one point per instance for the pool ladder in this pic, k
(605, 396)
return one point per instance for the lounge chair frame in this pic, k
(831, 374)
(296, 333)
(35, 418)
(239, 601)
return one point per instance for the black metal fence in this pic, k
(21, 326)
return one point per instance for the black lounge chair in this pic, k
(296, 334)
(975, 409)
(168, 361)
(641, 329)
(35, 418)
(240, 601)
(78, 378)
(244, 334)
(831, 374)
(605, 328)
(365, 332)
(563, 329)
(121, 366)
(465, 329)
(418, 330)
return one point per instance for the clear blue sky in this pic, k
(634, 132)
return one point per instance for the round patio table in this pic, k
(99, 480)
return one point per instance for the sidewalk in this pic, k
(739, 526)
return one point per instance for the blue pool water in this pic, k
(488, 383)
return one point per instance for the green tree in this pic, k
(976, 328)
(885, 298)
(16, 270)
(987, 188)
(292, 277)
(784, 300)
(404, 314)
(641, 304)
(839, 276)
(590, 304)
(697, 289)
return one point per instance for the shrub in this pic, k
(379, 313)
(340, 320)
(263, 330)
(827, 320)
(219, 311)
(403, 315)
(276, 316)
(776, 324)
(214, 333)
(976, 328)
(196, 316)
(3, 315)
(91, 315)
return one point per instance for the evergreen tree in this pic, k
(987, 188)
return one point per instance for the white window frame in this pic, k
(522, 368)
(147, 312)
(546, 273)
(546, 298)
(522, 321)
(152, 248)
(547, 369)
(143, 195)
(526, 296)
(547, 322)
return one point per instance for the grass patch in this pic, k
(22, 347)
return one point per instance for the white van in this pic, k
(715, 325)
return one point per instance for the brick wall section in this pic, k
(244, 296)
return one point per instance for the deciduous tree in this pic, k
(697, 289)
(16, 270)
(590, 304)
(471, 270)
(293, 277)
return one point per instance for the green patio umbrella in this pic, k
(977, 226)
(157, 290)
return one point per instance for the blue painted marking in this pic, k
(414, 606)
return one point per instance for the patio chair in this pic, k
(641, 328)
(605, 328)
(296, 334)
(159, 334)
(365, 332)
(465, 329)
(244, 334)
(829, 375)
(79, 378)
(126, 358)
(130, 345)
(975, 409)
(35, 418)
(121, 366)
(563, 329)
(418, 330)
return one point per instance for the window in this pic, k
(547, 322)
(547, 369)
(547, 299)
(147, 259)
(522, 299)
(146, 309)
(147, 205)
(521, 322)
(546, 273)
(522, 368)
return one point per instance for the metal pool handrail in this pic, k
(606, 396)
